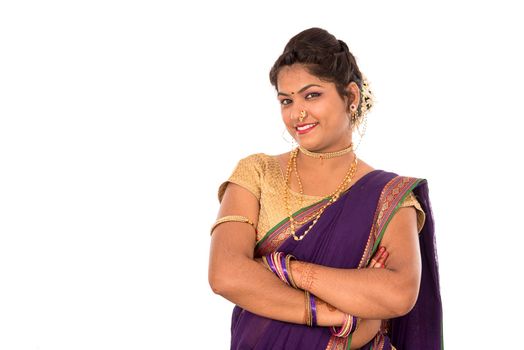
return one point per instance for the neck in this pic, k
(325, 164)
(326, 155)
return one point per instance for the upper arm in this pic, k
(235, 238)
(239, 195)
(402, 242)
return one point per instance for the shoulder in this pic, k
(401, 191)
(255, 160)
(397, 187)
(253, 165)
(248, 173)
(392, 179)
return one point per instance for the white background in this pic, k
(119, 119)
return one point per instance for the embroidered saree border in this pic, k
(337, 343)
(391, 196)
(280, 232)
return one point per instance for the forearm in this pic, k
(364, 333)
(365, 293)
(259, 291)
(249, 285)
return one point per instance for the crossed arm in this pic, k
(371, 294)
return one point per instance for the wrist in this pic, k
(296, 271)
(328, 315)
(302, 273)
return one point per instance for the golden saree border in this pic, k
(281, 231)
(379, 341)
(391, 196)
(337, 343)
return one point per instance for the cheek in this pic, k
(286, 119)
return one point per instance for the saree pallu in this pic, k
(346, 236)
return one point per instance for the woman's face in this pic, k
(326, 126)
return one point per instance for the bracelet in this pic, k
(279, 264)
(288, 270)
(309, 316)
(313, 310)
(348, 327)
(236, 218)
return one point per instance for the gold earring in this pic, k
(353, 114)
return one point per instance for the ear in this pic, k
(353, 94)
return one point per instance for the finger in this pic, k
(378, 253)
(382, 259)
(376, 257)
(380, 250)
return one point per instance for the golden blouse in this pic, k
(261, 175)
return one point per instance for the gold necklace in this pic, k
(326, 155)
(333, 195)
(292, 161)
(316, 215)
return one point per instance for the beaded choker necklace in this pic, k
(326, 155)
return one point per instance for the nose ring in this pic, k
(303, 114)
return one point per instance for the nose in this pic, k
(298, 114)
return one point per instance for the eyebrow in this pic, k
(299, 91)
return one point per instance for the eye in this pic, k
(285, 101)
(312, 94)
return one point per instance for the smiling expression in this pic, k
(326, 126)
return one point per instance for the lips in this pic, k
(304, 128)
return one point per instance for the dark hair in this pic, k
(323, 56)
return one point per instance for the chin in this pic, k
(311, 146)
(310, 141)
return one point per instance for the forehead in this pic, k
(291, 78)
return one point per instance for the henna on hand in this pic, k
(379, 259)
(307, 276)
(330, 307)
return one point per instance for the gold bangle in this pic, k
(235, 218)
(309, 316)
(288, 267)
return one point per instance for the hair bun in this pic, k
(343, 46)
(367, 98)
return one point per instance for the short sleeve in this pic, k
(411, 200)
(248, 174)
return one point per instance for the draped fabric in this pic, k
(346, 236)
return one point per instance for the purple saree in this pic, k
(346, 236)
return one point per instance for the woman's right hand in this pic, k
(379, 259)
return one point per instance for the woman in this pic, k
(317, 249)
